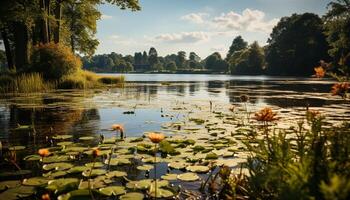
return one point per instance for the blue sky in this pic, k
(202, 26)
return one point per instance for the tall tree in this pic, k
(181, 59)
(337, 25)
(214, 62)
(152, 57)
(296, 45)
(238, 44)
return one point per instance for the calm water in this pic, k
(92, 112)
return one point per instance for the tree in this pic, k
(181, 59)
(238, 44)
(337, 29)
(171, 66)
(214, 62)
(144, 58)
(138, 58)
(152, 57)
(249, 61)
(296, 45)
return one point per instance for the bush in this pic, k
(54, 61)
(111, 80)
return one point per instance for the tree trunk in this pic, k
(7, 49)
(44, 26)
(48, 11)
(21, 45)
(58, 16)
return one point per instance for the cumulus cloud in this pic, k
(183, 37)
(197, 18)
(103, 16)
(248, 20)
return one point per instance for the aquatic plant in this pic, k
(319, 72)
(341, 89)
(119, 128)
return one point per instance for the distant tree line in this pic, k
(295, 46)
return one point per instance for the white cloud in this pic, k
(103, 16)
(249, 20)
(197, 18)
(183, 37)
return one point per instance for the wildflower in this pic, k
(319, 72)
(312, 114)
(45, 197)
(244, 98)
(95, 153)
(265, 115)
(44, 152)
(156, 137)
(340, 89)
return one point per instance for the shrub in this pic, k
(54, 61)
(111, 80)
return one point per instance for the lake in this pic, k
(157, 102)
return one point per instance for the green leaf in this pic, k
(35, 181)
(112, 190)
(188, 177)
(132, 196)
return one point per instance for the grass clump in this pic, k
(24, 83)
(112, 79)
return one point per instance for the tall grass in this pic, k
(24, 83)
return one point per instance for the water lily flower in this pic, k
(95, 152)
(319, 72)
(44, 152)
(340, 89)
(265, 115)
(45, 197)
(118, 127)
(156, 137)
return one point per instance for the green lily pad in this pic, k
(95, 172)
(57, 166)
(142, 184)
(118, 161)
(16, 148)
(76, 195)
(211, 156)
(96, 165)
(56, 174)
(56, 158)
(169, 177)
(62, 137)
(145, 167)
(177, 165)
(132, 196)
(112, 190)
(17, 192)
(188, 177)
(9, 184)
(160, 193)
(63, 184)
(86, 138)
(32, 158)
(14, 173)
(116, 174)
(35, 181)
(75, 149)
(77, 169)
(197, 168)
(64, 143)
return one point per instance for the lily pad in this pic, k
(145, 167)
(160, 193)
(142, 184)
(62, 137)
(64, 143)
(118, 161)
(62, 184)
(86, 138)
(112, 190)
(96, 164)
(56, 158)
(177, 165)
(77, 169)
(188, 177)
(16, 148)
(9, 184)
(56, 174)
(35, 181)
(32, 158)
(132, 196)
(169, 177)
(57, 166)
(17, 192)
(116, 174)
(75, 195)
(95, 172)
(198, 168)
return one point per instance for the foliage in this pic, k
(337, 29)
(214, 62)
(238, 44)
(314, 164)
(24, 83)
(296, 45)
(54, 61)
(249, 61)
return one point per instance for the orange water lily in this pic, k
(266, 115)
(319, 72)
(156, 137)
(44, 152)
(117, 127)
(45, 197)
(95, 153)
